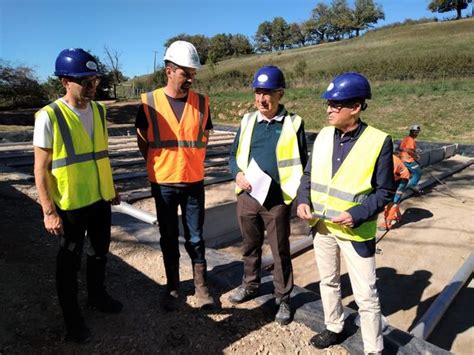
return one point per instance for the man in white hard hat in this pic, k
(173, 126)
(410, 157)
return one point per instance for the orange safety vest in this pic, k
(176, 149)
(407, 143)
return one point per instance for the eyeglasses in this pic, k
(337, 106)
(86, 82)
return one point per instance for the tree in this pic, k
(113, 61)
(281, 33)
(297, 37)
(366, 12)
(19, 87)
(320, 22)
(449, 5)
(240, 45)
(220, 47)
(310, 32)
(264, 37)
(342, 19)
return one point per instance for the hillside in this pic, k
(420, 73)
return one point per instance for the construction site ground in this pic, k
(415, 262)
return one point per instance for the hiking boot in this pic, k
(201, 291)
(78, 334)
(325, 339)
(105, 304)
(242, 294)
(283, 315)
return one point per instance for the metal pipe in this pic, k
(144, 216)
(430, 319)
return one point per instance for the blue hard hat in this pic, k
(269, 77)
(76, 63)
(348, 86)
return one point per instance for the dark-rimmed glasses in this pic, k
(86, 82)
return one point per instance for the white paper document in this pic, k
(259, 181)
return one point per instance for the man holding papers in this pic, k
(267, 160)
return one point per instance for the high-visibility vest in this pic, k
(407, 143)
(351, 184)
(80, 167)
(287, 152)
(176, 150)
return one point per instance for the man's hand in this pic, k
(304, 211)
(344, 219)
(116, 199)
(53, 223)
(242, 182)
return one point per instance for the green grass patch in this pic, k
(442, 107)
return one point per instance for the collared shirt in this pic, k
(382, 179)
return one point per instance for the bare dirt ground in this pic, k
(417, 260)
(31, 320)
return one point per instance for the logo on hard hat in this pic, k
(262, 78)
(330, 87)
(91, 65)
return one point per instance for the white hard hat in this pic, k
(183, 54)
(415, 127)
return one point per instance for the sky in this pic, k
(33, 32)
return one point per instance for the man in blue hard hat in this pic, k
(274, 139)
(75, 186)
(348, 180)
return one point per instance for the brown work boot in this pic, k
(201, 291)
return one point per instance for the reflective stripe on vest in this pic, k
(351, 184)
(287, 153)
(80, 168)
(177, 149)
(72, 157)
(159, 143)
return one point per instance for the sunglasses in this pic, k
(86, 82)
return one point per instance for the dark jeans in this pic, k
(95, 220)
(253, 219)
(190, 198)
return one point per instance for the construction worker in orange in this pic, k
(173, 126)
(392, 212)
(410, 157)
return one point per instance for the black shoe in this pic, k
(105, 304)
(325, 339)
(242, 294)
(169, 300)
(78, 334)
(283, 315)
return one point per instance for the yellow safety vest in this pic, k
(351, 184)
(290, 169)
(80, 167)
